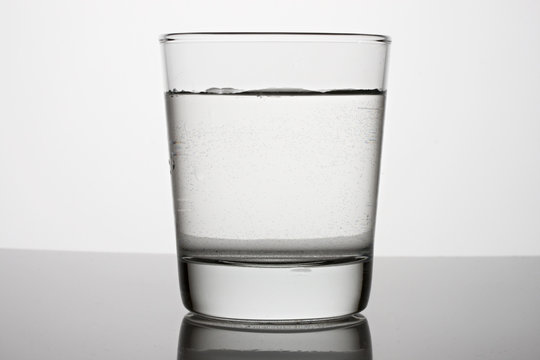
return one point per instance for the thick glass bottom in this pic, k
(276, 291)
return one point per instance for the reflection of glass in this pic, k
(204, 339)
(275, 146)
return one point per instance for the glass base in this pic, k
(291, 291)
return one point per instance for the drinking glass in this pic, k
(275, 142)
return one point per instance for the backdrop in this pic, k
(83, 149)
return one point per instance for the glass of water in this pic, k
(275, 142)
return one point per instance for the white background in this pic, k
(83, 150)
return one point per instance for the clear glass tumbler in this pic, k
(275, 142)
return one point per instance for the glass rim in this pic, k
(273, 36)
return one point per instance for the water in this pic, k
(279, 180)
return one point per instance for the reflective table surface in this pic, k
(69, 305)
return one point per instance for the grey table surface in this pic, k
(76, 305)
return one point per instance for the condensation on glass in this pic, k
(275, 142)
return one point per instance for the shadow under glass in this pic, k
(344, 339)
